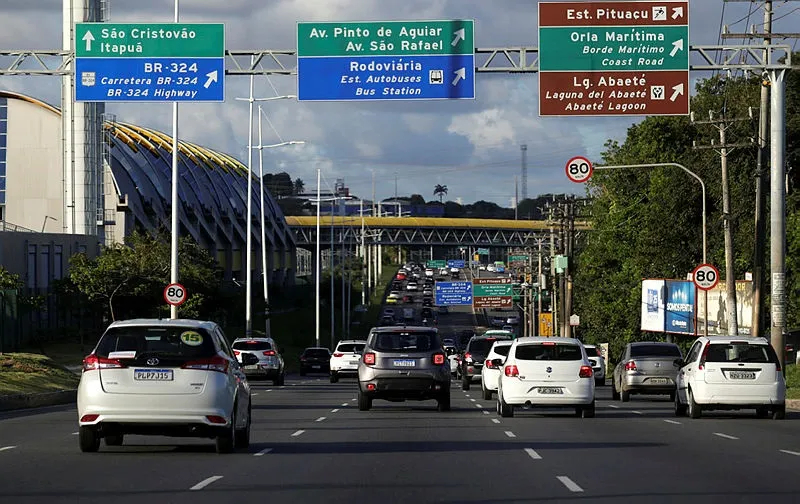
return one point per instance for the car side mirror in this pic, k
(249, 359)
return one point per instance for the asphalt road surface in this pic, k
(310, 444)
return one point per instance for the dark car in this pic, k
(315, 360)
(474, 355)
(407, 299)
(427, 302)
(404, 363)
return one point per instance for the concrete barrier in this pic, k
(21, 401)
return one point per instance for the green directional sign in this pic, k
(482, 251)
(517, 258)
(150, 40)
(436, 263)
(492, 290)
(614, 48)
(396, 38)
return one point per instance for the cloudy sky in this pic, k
(472, 146)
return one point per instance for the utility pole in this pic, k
(570, 211)
(722, 124)
(516, 199)
(539, 282)
(524, 149)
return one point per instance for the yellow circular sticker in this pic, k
(192, 338)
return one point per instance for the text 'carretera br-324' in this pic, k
(389, 60)
(614, 58)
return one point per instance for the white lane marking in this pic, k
(268, 390)
(206, 482)
(297, 433)
(75, 433)
(254, 394)
(345, 404)
(262, 452)
(485, 412)
(353, 399)
(478, 406)
(571, 485)
(533, 454)
(473, 400)
(509, 433)
(613, 406)
(4, 448)
(726, 436)
(334, 410)
(320, 419)
(495, 420)
(790, 452)
(674, 422)
(466, 395)
(637, 412)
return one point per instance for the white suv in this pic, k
(490, 373)
(270, 363)
(546, 372)
(345, 359)
(598, 364)
(163, 377)
(731, 372)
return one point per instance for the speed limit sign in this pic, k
(175, 294)
(706, 276)
(579, 169)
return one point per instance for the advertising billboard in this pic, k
(679, 315)
(653, 305)
(717, 308)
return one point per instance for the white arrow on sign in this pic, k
(676, 91)
(677, 12)
(458, 35)
(88, 38)
(461, 73)
(676, 46)
(212, 77)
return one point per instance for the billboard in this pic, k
(653, 305)
(717, 308)
(679, 315)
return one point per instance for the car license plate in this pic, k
(404, 363)
(316, 366)
(658, 381)
(742, 375)
(152, 375)
(550, 390)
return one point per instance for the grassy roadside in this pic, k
(792, 382)
(25, 373)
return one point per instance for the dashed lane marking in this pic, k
(485, 412)
(320, 419)
(478, 406)
(495, 420)
(473, 400)
(510, 434)
(790, 452)
(571, 485)
(205, 483)
(262, 452)
(613, 406)
(726, 436)
(345, 404)
(674, 422)
(297, 433)
(4, 448)
(532, 453)
(637, 412)
(334, 410)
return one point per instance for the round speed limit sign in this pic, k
(175, 294)
(706, 276)
(579, 169)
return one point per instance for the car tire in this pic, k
(88, 438)
(487, 394)
(243, 435)
(588, 411)
(464, 382)
(364, 401)
(672, 396)
(334, 377)
(226, 439)
(282, 378)
(680, 409)
(624, 395)
(443, 403)
(506, 410)
(114, 440)
(614, 391)
(694, 409)
(779, 413)
(762, 412)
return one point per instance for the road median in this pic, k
(37, 400)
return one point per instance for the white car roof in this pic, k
(538, 340)
(352, 341)
(503, 343)
(757, 340)
(262, 338)
(204, 324)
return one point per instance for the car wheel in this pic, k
(334, 377)
(88, 438)
(672, 396)
(614, 391)
(487, 394)
(464, 382)
(762, 412)
(282, 378)
(226, 439)
(243, 435)
(114, 440)
(588, 411)
(625, 395)
(680, 409)
(364, 401)
(506, 410)
(779, 413)
(694, 409)
(444, 402)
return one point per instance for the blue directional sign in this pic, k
(453, 293)
(455, 263)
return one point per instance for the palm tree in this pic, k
(440, 190)
(299, 186)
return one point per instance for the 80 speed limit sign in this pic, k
(706, 276)
(175, 294)
(579, 169)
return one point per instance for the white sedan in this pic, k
(490, 373)
(547, 373)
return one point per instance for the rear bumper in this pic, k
(472, 371)
(646, 384)
(527, 393)
(261, 371)
(719, 396)
(415, 388)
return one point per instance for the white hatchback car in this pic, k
(598, 364)
(546, 372)
(731, 373)
(345, 359)
(163, 377)
(490, 373)
(270, 363)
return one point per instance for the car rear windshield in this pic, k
(591, 352)
(409, 341)
(252, 345)
(557, 352)
(655, 351)
(173, 342)
(502, 350)
(316, 352)
(482, 345)
(350, 348)
(740, 352)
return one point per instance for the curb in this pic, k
(793, 404)
(22, 401)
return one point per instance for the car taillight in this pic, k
(89, 418)
(489, 364)
(703, 357)
(438, 359)
(511, 370)
(216, 363)
(630, 366)
(237, 352)
(338, 354)
(269, 353)
(585, 372)
(468, 357)
(93, 362)
(369, 358)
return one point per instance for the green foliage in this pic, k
(8, 280)
(441, 191)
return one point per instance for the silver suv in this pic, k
(401, 363)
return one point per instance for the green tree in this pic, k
(299, 186)
(8, 280)
(441, 191)
(417, 199)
